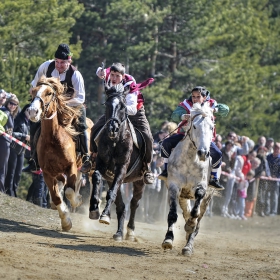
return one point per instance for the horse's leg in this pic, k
(112, 193)
(58, 202)
(94, 196)
(70, 189)
(192, 224)
(120, 210)
(173, 192)
(78, 185)
(138, 188)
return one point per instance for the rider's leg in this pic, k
(216, 156)
(93, 147)
(141, 123)
(33, 164)
(84, 140)
(167, 146)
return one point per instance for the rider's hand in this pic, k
(185, 117)
(101, 74)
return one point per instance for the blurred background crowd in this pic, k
(250, 171)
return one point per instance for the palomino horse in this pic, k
(189, 168)
(118, 161)
(55, 147)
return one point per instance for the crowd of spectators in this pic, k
(14, 140)
(250, 172)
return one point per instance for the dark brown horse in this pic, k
(118, 161)
(55, 147)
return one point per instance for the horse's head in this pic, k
(116, 112)
(200, 129)
(43, 95)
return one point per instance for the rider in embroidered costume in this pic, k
(72, 79)
(182, 114)
(135, 109)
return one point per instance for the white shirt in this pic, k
(77, 81)
(130, 99)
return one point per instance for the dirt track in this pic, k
(32, 246)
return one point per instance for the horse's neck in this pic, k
(49, 126)
(187, 148)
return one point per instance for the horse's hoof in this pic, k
(104, 219)
(67, 225)
(187, 251)
(118, 237)
(167, 244)
(94, 215)
(130, 237)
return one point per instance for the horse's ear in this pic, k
(115, 89)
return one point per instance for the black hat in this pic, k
(63, 52)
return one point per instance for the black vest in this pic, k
(69, 90)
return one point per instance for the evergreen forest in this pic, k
(230, 47)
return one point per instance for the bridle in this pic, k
(116, 119)
(46, 106)
(188, 133)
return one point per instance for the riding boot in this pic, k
(149, 177)
(33, 164)
(214, 181)
(87, 164)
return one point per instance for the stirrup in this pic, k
(87, 164)
(149, 177)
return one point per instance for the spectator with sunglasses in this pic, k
(10, 108)
(16, 158)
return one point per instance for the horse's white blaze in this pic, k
(35, 110)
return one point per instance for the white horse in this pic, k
(189, 168)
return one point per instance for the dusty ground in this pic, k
(32, 246)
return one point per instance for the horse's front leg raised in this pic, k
(94, 202)
(70, 189)
(173, 192)
(138, 188)
(192, 224)
(120, 172)
(58, 202)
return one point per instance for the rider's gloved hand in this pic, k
(185, 117)
(101, 73)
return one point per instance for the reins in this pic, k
(188, 132)
(47, 105)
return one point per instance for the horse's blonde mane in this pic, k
(67, 116)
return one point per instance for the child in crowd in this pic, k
(242, 194)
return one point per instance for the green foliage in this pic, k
(30, 32)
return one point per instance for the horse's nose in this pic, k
(202, 154)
